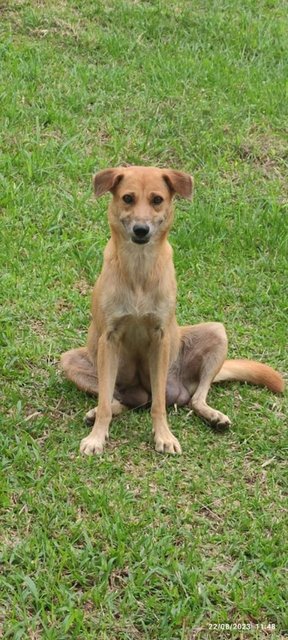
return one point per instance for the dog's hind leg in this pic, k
(77, 367)
(204, 349)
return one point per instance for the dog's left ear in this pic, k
(106, 180)
(179, 182)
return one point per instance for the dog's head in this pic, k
(141, 208)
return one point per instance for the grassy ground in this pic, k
(134, 544)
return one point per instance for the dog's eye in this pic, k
(128, 199)
(157, 200)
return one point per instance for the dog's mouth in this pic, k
(140, 240)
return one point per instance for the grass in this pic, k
(134, 544)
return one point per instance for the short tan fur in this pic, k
(136, 353)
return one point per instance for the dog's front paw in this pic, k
(92, 445)
(167, 443)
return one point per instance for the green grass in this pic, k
(134, 544)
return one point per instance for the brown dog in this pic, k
(136, 352)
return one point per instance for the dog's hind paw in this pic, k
(116, 407)
(220, 421)
(90, 416)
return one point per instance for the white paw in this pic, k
(92, 445)
(167, 443)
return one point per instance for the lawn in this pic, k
(136, 545)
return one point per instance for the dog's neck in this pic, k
(139, 264)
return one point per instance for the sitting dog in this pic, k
(136, 353)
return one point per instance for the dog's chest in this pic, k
(138, 312)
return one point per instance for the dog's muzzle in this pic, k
(140, 233)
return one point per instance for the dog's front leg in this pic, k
(107, 366)
(159, 358)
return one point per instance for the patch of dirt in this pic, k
(118, 578)
(266, 151)
(83, 287)
(58, 27)
(38, 327)
(63, 305)
(208, 513)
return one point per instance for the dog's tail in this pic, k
(253, 372)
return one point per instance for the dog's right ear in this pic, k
(179, 182)
(106, 180)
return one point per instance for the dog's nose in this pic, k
(140, 230)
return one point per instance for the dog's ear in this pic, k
(106, 180)
(179, 182)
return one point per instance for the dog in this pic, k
(136, 353)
